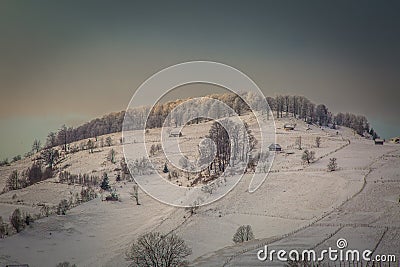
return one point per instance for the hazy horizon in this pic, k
(69, 62)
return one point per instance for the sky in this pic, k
(66, 62)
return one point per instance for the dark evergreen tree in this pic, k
(105, 183)
(165, 168)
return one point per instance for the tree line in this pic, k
(282, 105)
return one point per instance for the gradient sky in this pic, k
(68, 62)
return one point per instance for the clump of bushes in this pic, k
(112, 197)
(3, 228)
(87, 194)
(332, 165)
(308, 156)
(62, 207)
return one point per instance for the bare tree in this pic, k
(135, 194)
(109, 141)
(90, 145)
(243, 233)
(298, 143)
(318, 141)
(62, 137)
(220, 137)
(154, 249)
(36, 145)
(111, 156)
(51, 140)
(308, 156)
(50, 156)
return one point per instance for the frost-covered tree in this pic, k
(318, 141)
(308, 156)
(135, 194)
(36, 145)
(90, 145)
(243, 233)
(50, 156)
(155, 249)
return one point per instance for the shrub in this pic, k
(308, 156)
(12, 181)
(17, 221)
(3, 228)
(155, 249)
(62, 207)
(112, 197)
(28, 219)
(45, 210)
(4, 162)
(243, 233)
(332, 165)
(109, 141)
(87, 194)
(16, 158)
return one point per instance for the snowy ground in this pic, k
(294, 196)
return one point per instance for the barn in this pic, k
(378, 141)
(275, 147)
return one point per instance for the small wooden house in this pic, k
(289, 127)
(275, 147)
(175, 133)
(378, 141)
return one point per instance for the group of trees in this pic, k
(18, 220)
(358, 123)
(27, 177)
(229, 148)
(283, 105)
(82, 179)
(302, 108)
(110, 123)
(155, 249)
